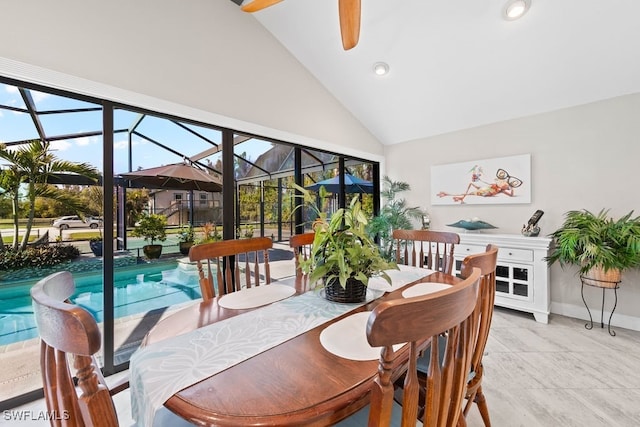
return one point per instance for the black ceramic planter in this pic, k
(354, 291)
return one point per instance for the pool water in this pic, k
(137, 290)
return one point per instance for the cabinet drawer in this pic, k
(464, 250)
(510, 254)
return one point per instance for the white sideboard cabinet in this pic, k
(522, 276)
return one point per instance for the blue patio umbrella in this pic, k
(352, 184)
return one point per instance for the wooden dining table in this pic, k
(296, 383)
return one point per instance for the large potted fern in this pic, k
(600, 246)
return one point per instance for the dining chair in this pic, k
(301, 245)
(426, 248)
(486, 262)
(232, 260)
(67, 329)
(447, 319)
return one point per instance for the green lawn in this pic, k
(38, 222)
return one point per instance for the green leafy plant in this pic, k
(151, 228)
(36, 256)
(30, 168)
(186, 234)
(590, 240)
(394, 215)
(342, 249)
(247, 232)
(210, 233)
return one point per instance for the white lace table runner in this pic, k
(164, 368)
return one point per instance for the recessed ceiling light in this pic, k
(514, 9)
(381, 68)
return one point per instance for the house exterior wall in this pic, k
(176, 206)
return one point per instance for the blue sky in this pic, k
(16, 126)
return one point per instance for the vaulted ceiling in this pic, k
(459, 64)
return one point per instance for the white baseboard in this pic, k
(580, 312)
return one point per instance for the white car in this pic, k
(74, 221)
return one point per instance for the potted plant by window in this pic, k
(95, 243)
(343, 255)
(210, 233)
(599, 245)
(151, 228)
(186, 238)
(394, 215)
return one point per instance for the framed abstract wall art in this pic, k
(491, 181)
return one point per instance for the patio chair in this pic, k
(448, 319)
(233, 259)
(426, 249)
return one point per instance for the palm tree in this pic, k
(394, 215)
(10, 181)
(34, 165)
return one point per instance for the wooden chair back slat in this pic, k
(227, 259)
(440, 247)
(66, 329)
(205, 285)
(451, 315)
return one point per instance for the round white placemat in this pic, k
(348, 338)
(256, 297)
(424, 289)
(399, 278)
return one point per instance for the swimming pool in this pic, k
(137, 289)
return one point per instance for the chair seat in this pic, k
(166, 418)
(423, 361)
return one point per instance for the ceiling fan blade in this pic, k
(349, 22)
(257, 5)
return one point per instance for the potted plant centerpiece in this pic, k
(186, 239)
(343, 256)
(151, 228)
(599, 245)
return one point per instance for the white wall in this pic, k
(585, 157)
(203, 54)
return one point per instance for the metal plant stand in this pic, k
(612, 285)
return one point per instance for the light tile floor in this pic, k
(536, 375)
